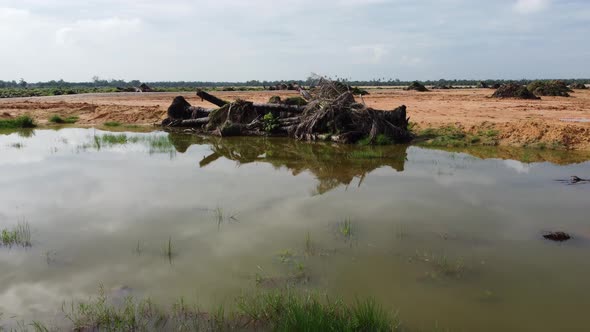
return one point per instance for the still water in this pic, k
(445, 239)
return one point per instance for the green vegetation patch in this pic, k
(271, 123)
(20, 235)
(59, 120)
(451, 136)
(112, 124)
(290, 312)
(24, 121)
(274, 311)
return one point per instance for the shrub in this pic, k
(24, 121)
(271, 123)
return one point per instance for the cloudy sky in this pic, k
(269, 39)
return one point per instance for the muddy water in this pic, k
(442, 238)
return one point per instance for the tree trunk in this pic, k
(211, 98)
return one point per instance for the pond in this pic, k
(443, 238)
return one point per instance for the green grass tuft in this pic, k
(59, 120)
(17, 236)
(24, 121)
(112, 124)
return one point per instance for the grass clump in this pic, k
(112, 124)
(451, 136)
(513, 90)
(345, 228)
(20, 235)
(59, 120)
(273, 311)
(290, 312)
(549, 88)
(24, 121)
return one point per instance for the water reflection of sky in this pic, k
(91, 207)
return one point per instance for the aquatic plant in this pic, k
(169, 250)
(309, 250)
(285, 256)
(310, 312)
(24, 121)
(276, 311)
(345, 228)
(442, 265)
(20, 235)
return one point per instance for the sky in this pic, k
(240, 40)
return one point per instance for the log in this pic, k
(187, 123)
(197, 112)
(211, 98)
(268, 108)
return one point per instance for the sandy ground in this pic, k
(550, 120)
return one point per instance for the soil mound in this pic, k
(416, 86)
(513, 90)
(549, 88)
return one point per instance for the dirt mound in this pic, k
(578, 86)
(442, 87)
(416, 86)
(549, 88)
(513, 90)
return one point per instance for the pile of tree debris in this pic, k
(442, 87)
(513, 90)
(578, 86)
(331, 113)
(416, 86)
(549, 88)
(142, 88)
(283, 86)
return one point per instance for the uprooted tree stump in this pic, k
(331, 113)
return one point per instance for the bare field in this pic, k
(552, 120)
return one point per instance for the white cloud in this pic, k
(264, 39)
(531, 6)
(97, 31)
(369, 53)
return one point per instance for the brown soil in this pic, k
(551, 120)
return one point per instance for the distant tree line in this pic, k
(187, 85)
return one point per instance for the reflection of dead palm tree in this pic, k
(331, 165)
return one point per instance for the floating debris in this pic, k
(557, 236)
(574, 180)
